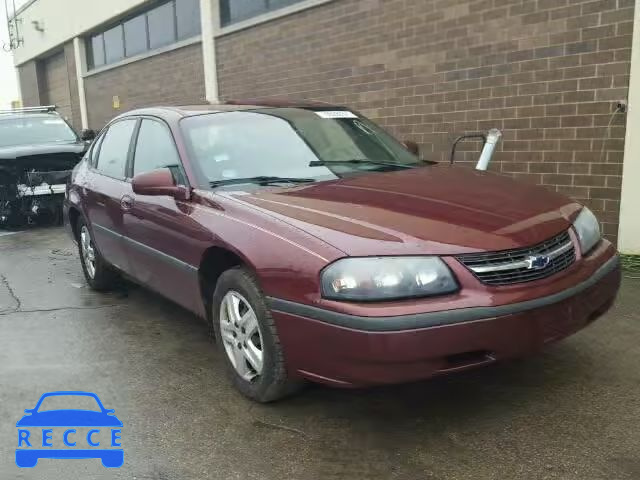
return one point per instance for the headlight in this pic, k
(386, 278)
(588, 230)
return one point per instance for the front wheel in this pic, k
(99, 275)
(246, 331)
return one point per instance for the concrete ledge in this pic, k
(267, 17)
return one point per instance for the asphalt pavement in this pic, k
(572, 412)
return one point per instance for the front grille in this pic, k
(508, 267)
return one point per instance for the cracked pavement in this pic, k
(569, 413)
(12, 304)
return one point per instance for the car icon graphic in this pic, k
(35, 419)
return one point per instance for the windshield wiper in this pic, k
(260, 180)
(357, 161)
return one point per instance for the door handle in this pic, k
(126, 202)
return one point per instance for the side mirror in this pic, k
(29, 410)
(412, 146)
(87, 134)
(158, 182)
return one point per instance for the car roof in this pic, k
(229, 106)
(10, 115)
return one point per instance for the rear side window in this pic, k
(156, 149)
(95, 148)
(112, 157)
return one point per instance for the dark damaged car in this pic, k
(38, 150)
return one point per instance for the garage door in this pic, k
(56, 84)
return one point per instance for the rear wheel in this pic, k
(247, 333)
(99, 275)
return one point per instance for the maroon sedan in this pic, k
(320, 248)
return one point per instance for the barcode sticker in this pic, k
(337, 114)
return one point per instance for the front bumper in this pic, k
(349, 350)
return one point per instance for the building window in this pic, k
(162, 29)
(188, 17)
(97, 50)
(162, 25)
(233, 11)
(135, 35)
(113, 45)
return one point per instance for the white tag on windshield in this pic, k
(337, 114)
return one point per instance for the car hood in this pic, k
(432, 210)
(13, 152)
(69, 418)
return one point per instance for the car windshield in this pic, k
(69, 402)
(290, 144)
(34, 129)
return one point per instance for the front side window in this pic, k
(155, 149)
(291, 143)
(29, 130)
(114, 150)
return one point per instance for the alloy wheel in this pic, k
(241, 335)
(88, 251)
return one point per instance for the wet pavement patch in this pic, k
(569, 413)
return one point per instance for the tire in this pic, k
(100, 276)
(272, 382)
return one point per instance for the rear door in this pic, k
(106, 185)
(163, 242)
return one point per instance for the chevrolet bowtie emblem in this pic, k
(537, 262)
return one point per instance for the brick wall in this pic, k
(172, 78)
(547, 72)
